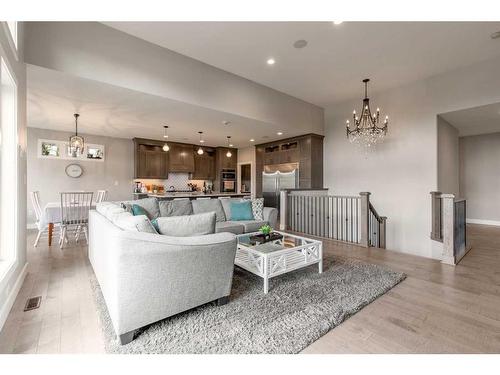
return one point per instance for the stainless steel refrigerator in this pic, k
(276, 178)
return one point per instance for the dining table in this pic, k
(52, 216)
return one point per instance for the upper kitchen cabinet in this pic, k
(224, 162)
(306, 150)
(181, 158)
(204, 165)
(150, 160)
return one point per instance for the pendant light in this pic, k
(200, 150)
(165, 135)
(76, 142)
(228, 154)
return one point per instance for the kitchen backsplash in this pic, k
(178, 180)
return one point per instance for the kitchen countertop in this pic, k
(193, 195)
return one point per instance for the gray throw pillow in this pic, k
(187, 226)
(179, 207)
(150, 205)
(140, 223)
(201, 206)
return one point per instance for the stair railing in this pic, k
(350, 219)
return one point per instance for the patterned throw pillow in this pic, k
(258, 208)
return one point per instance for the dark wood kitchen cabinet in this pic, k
(204, 165)
(306, 150)
(150, 159)
(223, 162)
(181, 158)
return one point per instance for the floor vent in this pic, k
(33, 303)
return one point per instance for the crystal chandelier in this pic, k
(76, 142)
(367, 131)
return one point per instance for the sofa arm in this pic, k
(271, 216)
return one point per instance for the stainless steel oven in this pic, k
(228, 181)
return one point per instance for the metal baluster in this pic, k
(351, 239)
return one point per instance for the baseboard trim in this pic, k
(9, 302)
(483, 222)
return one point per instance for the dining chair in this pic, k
(101, 196)
(75, 207)
(42, 226)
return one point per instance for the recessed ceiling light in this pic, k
(271, 61)
(225, 122)
(301, 43)
(252, 140)
(337, 22)
(279, 133)
(495, 35)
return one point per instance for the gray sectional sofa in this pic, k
(222, 207)
(146, 277)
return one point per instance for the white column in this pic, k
(283, 209)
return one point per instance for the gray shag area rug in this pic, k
(300, 307)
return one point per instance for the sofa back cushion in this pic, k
(201, 206)
(109, 210)
(241, 211)
(188, 225)
(180, 207)
(124, 219)
(150, 205)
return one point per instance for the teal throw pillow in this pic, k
(138, 210)
(155, 225)
(241, 211)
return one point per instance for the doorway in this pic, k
(245, 178)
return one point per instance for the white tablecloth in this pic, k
(52, 212)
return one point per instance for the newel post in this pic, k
(364, 219)
(382, 232)
(283, 209)
(436, 219)
(448, 227)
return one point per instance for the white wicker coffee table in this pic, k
(277, 257)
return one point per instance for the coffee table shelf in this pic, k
(277, 257)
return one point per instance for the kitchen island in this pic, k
(190, 195)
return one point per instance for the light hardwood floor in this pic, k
(437, 309)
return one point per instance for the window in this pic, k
(8, 164)
(12, 26)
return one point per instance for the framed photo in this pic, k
(95, 152)
(54, 149)
(50, 149)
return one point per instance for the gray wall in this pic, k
(115, 174)
(480, 176)
(448, 159)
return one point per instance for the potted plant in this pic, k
(266, 230)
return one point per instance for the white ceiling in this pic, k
(336, 58)
(473, 121)
(108, 110)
